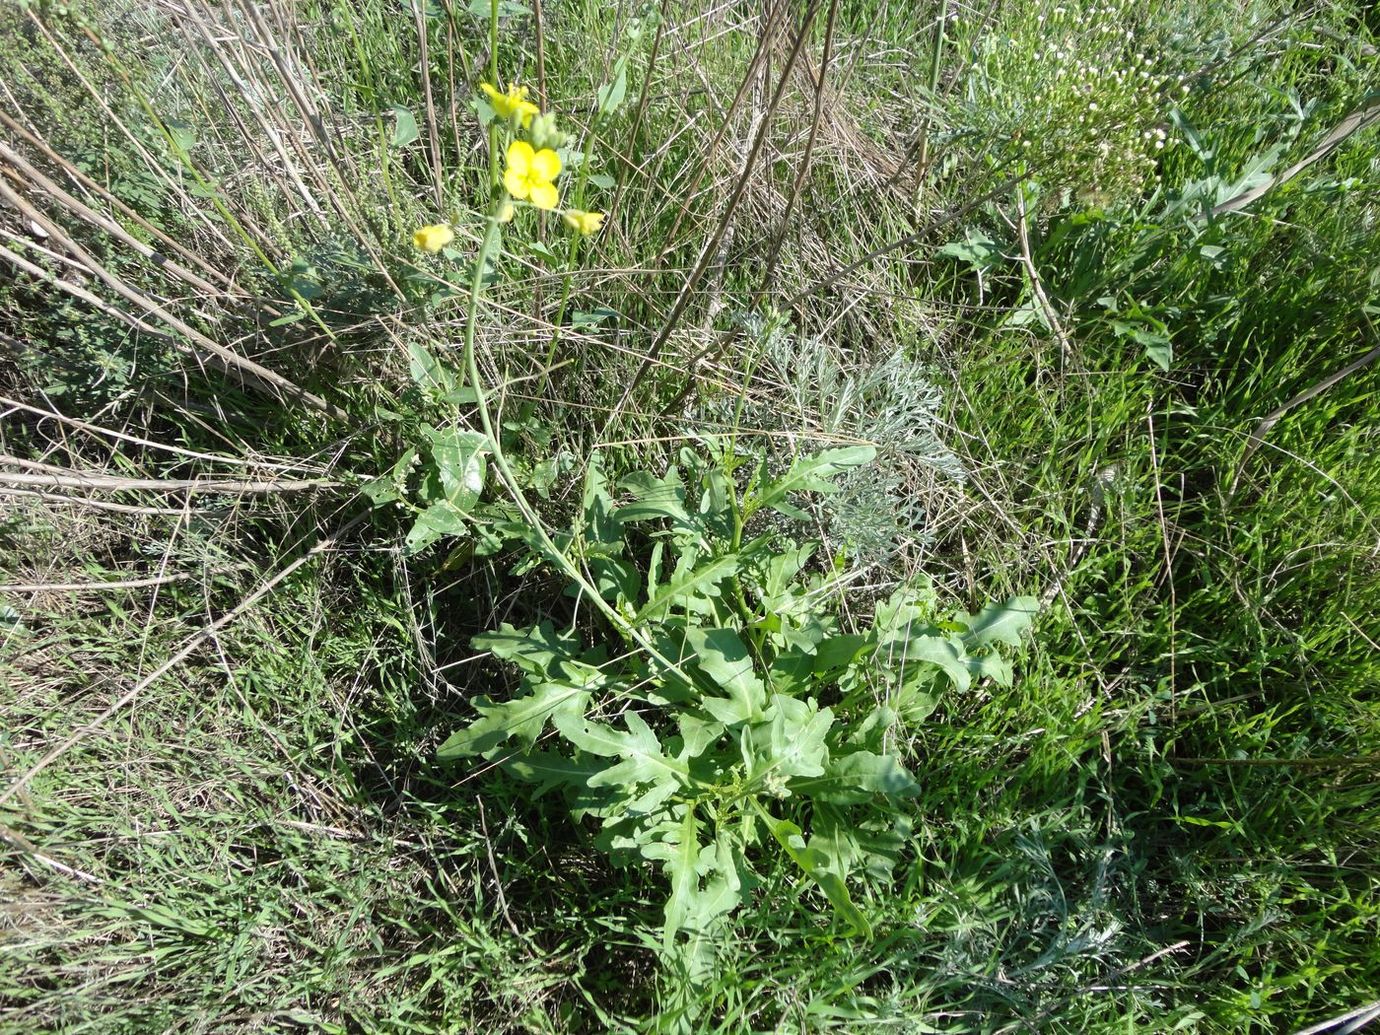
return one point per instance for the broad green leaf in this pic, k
(976, 249)
(656, 498)
(535, 649)
(439, 519)
(506, 9)
(592, 736)
(610, 96)
(883, 839)
(649, 802)
(429, 374)
(854, 778)
(792, 671)
(682, 867)
(404, 127)
(390, 486)
(721, 655)
(913, 704)
(182, 134)
(697, 735)
(617, 580)
(550, 770)
(993, 666)
(837, 653)
(901, 614)
(715, 512)
(643, 760)
(521, 719)
(811, 474)
(600, 525)
(796, 737)
(818, 865)
(781, 569)
(1001, 623)
(459, 458)
(701, 581)
(947, 653)
(722, 891)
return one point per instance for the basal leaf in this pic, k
(656, 498)
(697, 734)
(438, 520)
(946, 652)
(459, 458)
(781, 570)
(854, 778)
(550, 770)
(721, 655)
(521, 719)
(534, 649)
(682, 867)
(404, 127)
(836, 653)
(600, 525)
(795, 738)
(1001, 623)
(817, 864)
(643, 760)
(597, 738)
(993, 666)
(610, 96)
(701, 581)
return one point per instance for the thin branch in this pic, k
(1036, 284)
(93, 587)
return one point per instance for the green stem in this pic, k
(505, 471)
(493, 78)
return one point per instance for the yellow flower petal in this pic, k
(516, 183)
(525, 111)
(506, 105)
(585, 223)
(546, 165)
(520, 155)
(544, 195)
(433, 238)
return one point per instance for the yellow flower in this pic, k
(530, 174)
(584, 223)
(433, 238)
(514, 102)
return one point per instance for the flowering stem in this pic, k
(505, 472)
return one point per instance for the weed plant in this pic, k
(337, 426)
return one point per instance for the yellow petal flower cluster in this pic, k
(433, 238)
(531, 174)
(514, 102)
(583, 223)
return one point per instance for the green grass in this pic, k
(1167, 822)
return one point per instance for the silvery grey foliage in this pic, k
(886, 507)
